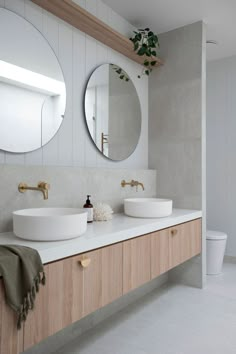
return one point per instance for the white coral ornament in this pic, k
(102, 212)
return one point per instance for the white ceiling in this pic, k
(165, 15)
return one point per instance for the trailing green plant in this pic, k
(121, 73)
(146, 44)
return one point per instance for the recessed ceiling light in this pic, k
(212, 41)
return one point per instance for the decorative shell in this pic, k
(102, 212)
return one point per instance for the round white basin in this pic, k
(148, 207)
(49, 224)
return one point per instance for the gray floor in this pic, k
(173, 320)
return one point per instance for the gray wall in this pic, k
(177, 124)
(69, 188)
(221, 148)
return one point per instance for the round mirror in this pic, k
(112, 112)
(32, 87)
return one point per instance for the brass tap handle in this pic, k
(132, 183)
(85, 262)
(44, 185)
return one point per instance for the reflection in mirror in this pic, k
(32, 88)
(112, 111)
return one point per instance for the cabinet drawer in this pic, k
(184, 242)
(136, 262)
(76, 287)
(101, 277)
(87, 281)
(159, 252)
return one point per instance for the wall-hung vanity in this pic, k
(89, 272)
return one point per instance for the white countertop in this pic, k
(100, 234)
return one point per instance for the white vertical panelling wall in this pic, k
(79, 55)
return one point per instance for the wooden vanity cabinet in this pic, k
(79, 285)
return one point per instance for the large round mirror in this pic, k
(112, 111)
(32, 88)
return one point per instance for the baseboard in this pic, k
(60, 339)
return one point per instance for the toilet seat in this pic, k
(215, 235)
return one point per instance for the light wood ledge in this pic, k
(76, 16)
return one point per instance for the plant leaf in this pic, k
(136, 46)
(141, 51)
(145, 43)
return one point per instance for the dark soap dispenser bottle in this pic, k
(89, 208)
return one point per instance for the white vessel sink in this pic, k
(148, 207)
(49, 224)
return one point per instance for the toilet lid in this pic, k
(215, 235)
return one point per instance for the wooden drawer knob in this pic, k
(174, 232)
(85, 262)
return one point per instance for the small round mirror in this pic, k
(32, 88)
(113, 112)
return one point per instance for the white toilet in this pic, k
(215, 250)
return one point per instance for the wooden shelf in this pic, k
(76, 16)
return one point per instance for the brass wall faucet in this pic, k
(132, 183)
(42, 187)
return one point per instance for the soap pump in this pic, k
(89, 208)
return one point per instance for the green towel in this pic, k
(22, 272)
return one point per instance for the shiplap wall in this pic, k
(79, 55)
